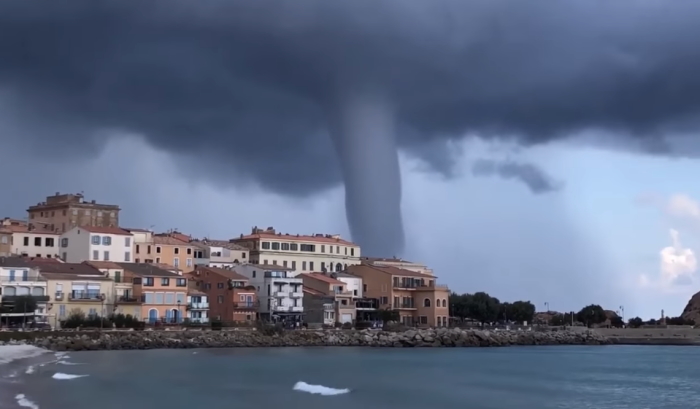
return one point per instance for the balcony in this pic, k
(13, 298)
(281, 294)
(20, 281)
(296, 309)
(83, 296)
(298, 294)
(198, 306)
(404, 306)
(128, 299)
(246, 305)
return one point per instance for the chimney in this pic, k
(58, 193)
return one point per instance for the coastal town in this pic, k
(72, 259)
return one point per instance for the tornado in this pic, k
(363, 132)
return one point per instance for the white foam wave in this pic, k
(318, 389)
(30, 370)
(66, 376)
(9, 353)
(68, 363)
(24, 402)
(12, 375)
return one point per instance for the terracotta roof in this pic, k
(165, 266)
(43, 260)
(129, 229)
(168, 241)
(73, 276)
(323, 277)
(147, 270)
(271, 267)
(104, 264)
(394, 271)
(14, 261)
(205, 243)
(230, 274)
(25, 229)
(271, 234)
(386, 260)
(310, 290)
(66, 268)
(105, 230)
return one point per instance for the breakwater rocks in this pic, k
(443, 337)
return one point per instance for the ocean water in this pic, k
(585, 377)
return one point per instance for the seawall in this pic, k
(442, 337)
(652, 336)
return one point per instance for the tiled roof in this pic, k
(132, 230)
(394, 271)
(168, 241)
(386, 260)
(271, 267)
(66, 268)
(205, 243)
(106, 230)
(310, 290)
(104, 264)
(13, 262)
(147, 270)
(316, 238)
(230, 274)
(323, 277)
(25, 229)
(73, 277)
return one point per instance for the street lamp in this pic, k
(622, 308)
(546, 304)
(102, 310)
(177, 319)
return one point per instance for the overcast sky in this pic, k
(546, 149)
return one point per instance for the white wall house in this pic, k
(16, 279)
(35, 243)
(89, 243)
(353, 283)
(279, 292)
(197, 306)
(219, 253)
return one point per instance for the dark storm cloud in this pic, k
(529, 174)
(258, 85)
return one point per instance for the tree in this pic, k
(24, 304)
(617, 322)
(591, 314)
(635, 322)
(679, 321)
(519, 311)
(558, 320)
(388, 315)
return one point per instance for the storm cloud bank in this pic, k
(269, 88)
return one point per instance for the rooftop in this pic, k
(168, 241)
(135, 230)
(104, 264)
(229, 274)
(271, 234)
(105, 230)
(323, 277)
(73, 276)
(206, 243)
(14, 261)
(394, 271)
(309, 290)
(271, 267)
(147, 270)
(69, 199)
(385, 260)
(66, 268)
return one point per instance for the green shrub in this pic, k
(347, 325)
(216, 325)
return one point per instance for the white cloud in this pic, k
(678, 267)
(682, 205)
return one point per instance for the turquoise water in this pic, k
(609, 377)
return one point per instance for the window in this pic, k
(243, 255)
(64, 242)
(220, 285)
(3, 239)
(149, 298)
(165, 282)
(352, 252)
(189, 262)
(25, 241)
(424, 319)
(95, 240)
(275, 246)
(148, 250)
(383, 300)
(364, 287)
(303, 265)
(49, 242)
(323, 266)
(253, 273)
(75, 212)
(158, 260)
(87, 212)
(444, 303)
(148, 281)
(181, 298)
(159, 298)
(274, 262)
(127, 256)
(294, 265)
(37, 241)
(62, 309)
(127, 241)
(177, 250)
(220, 299)
(93, 312)
(426, 302)
(65, 256)
(265, 263)
(294, 247)
(106, 256)
(170, 298)
(311, 266)
(95, 254)
(176, 262)
(266, 245)
(323, 248)
(158, 249)
(284, 263)
(308, 247)
(106, 240)
(285, 246)
(181, 282)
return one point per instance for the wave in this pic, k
(9, 353)
(24, 402)
(30, 370)
(318, 389)
(66, 376)
(68, 363)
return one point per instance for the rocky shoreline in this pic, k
(442, 337)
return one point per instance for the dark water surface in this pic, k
(610, 377)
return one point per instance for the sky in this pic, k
(536, 150)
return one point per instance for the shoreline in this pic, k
(412, 338)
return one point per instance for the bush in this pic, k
(269, 329)
(347, 325)
(216, 325)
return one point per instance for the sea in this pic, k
(561, 377)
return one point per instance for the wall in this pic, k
(78, 246)
(378, 285)
(86, 306)
(48, 244)
(64, 212)
(353, 284)
(314, 311)
(162, 297)
(167, 250)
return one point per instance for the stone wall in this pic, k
(114, 340)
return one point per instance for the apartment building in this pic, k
(62, 212)
(89, 243)
(30, 241)
(161, 294)
(197, 304)
(279, 291)
(17, 279)
(319, 308)
(398, 263)
(124, 301)
(299, 253)
(416, 296)
(76, 287)
(231, 296)
(328, 284)
(218, 253)
(162, 249)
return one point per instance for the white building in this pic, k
(18, 279)
(33, 242)
(90, 243)
(219, 253)
(280, 294)
(197, 306)
(353, 284)
(318, 252)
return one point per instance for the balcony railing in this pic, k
(198, 306)
(128, 299)
(13, 298)
(404, 305)
(283, 294)
(246, 305)
(296, 294)
(84, 296)
(21, 280)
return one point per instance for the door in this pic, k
(153, 315)
(346, 318)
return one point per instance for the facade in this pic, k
(328, 284)
(319, 308)
(34, 242)
(163, 249)
(398, 263)
(279, 291)
(299, 253)
(417, 297)
(161, 294)
(231, 296)
(123, 300)
(88, 243)
(62, 212)
(218, 253)
(197, 305)
(18, 279)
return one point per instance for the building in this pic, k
(89, 243)
(162, 249)
(161, 294)
(418, 299)
(231, 296)
(279, 291)
(398, 263)
(318, 252)
(218, 253)
(7, 227)
(76, 288)
(18, 279)
(124, 301)
(32, 242)
(62, 212)
(328, 284)
(319, 308)
(197, 304)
